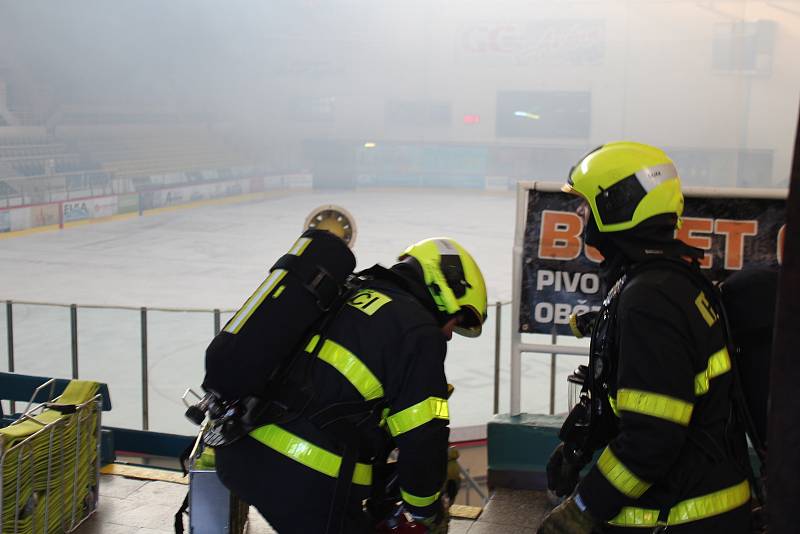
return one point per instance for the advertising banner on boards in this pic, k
(560, 275)
(89, 208)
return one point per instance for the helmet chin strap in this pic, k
(603, 242)
(653, 238)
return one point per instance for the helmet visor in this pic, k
(569, 187)
(470, 322)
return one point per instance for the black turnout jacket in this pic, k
(385, 343)
(670, 388)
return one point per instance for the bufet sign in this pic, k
(737, 228)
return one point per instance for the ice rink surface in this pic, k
(214, 257)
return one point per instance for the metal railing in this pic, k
(74, 367)
(469, 484)
(28, 323)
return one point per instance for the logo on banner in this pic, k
(560, 272)
(556, 41)
(75, 211)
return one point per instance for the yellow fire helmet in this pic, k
(454, 280)
(626, 183)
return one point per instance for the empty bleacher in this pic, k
(128, 151)
(37, 155)
(149, 150)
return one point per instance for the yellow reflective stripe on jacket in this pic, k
(689, 510)
(619, 476)
(417, 415)
(349, 366)
(308, 454)
(655, 405)
(255, 300)
(719, 363)
(419, 502)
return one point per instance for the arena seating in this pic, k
(139, 156)
(121, 150)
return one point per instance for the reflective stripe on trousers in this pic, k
(308, 454)
(693, 509)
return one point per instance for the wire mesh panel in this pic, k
(49, 464)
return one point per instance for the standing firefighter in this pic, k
(380, 369)
(658, 394)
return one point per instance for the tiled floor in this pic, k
(129, 506)
(511, 512)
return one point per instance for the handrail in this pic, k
(121, 307)
(144, 349)
(151, 308)
(471, 482)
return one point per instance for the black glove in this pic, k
(567, 518)
(438, 524)
(562, 474)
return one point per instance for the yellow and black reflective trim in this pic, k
(706, 310)
(694, 509)
(654, 405)
(255, 300)
(417, 415)
(419, 502)
(384, 415)
(719, 363)
(368, 301)
(300, 246)
(620, 476)
(308, 454)
(613, 402)
(348, 364)
(573, 326)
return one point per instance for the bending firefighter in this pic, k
(657, 400)
(378, 384)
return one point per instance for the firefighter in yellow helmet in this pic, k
(387, 344)
(657, 402)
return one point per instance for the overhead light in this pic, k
(527, 115)
(369, 144)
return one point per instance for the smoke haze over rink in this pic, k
(132, 98)
(214, 257)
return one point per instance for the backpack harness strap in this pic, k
(294, 396)
(316, 280)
